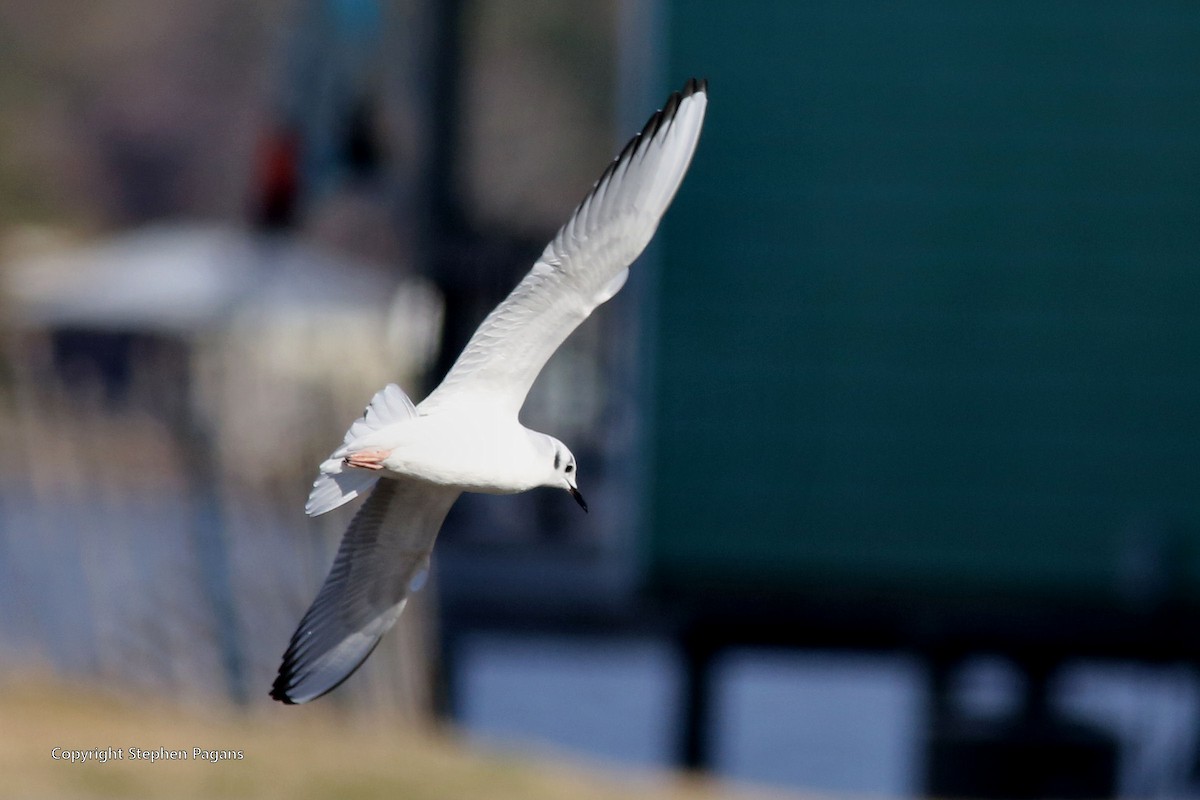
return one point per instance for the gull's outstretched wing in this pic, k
(387, 544)
(585, 264)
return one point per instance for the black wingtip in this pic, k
(297, 668)
(666, 114)
(668, 111)
(290, 668)
(695, 86)
(279, 689)
(279, 694)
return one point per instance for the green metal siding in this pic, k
(929, 313)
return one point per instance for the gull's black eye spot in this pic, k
(570, 468)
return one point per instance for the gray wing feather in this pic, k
(387, 543)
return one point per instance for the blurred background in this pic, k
(890, 442)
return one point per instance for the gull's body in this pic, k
(470, 449)
(465, 436)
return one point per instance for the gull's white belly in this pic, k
(471, 452)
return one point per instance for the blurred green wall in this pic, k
(929, 315)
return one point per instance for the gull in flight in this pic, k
(465, 436)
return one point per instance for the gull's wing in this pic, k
(585, 264)
(387, 544)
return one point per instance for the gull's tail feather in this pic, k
(336, 484)
(389, 406)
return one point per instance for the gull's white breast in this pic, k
(475, 452)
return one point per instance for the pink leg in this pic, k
(367, 459)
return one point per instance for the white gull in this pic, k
(465, 436)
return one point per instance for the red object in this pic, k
(277, 183)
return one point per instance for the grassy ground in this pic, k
(310, 752)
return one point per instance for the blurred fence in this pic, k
(152, 530)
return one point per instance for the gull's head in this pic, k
(563, 471)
